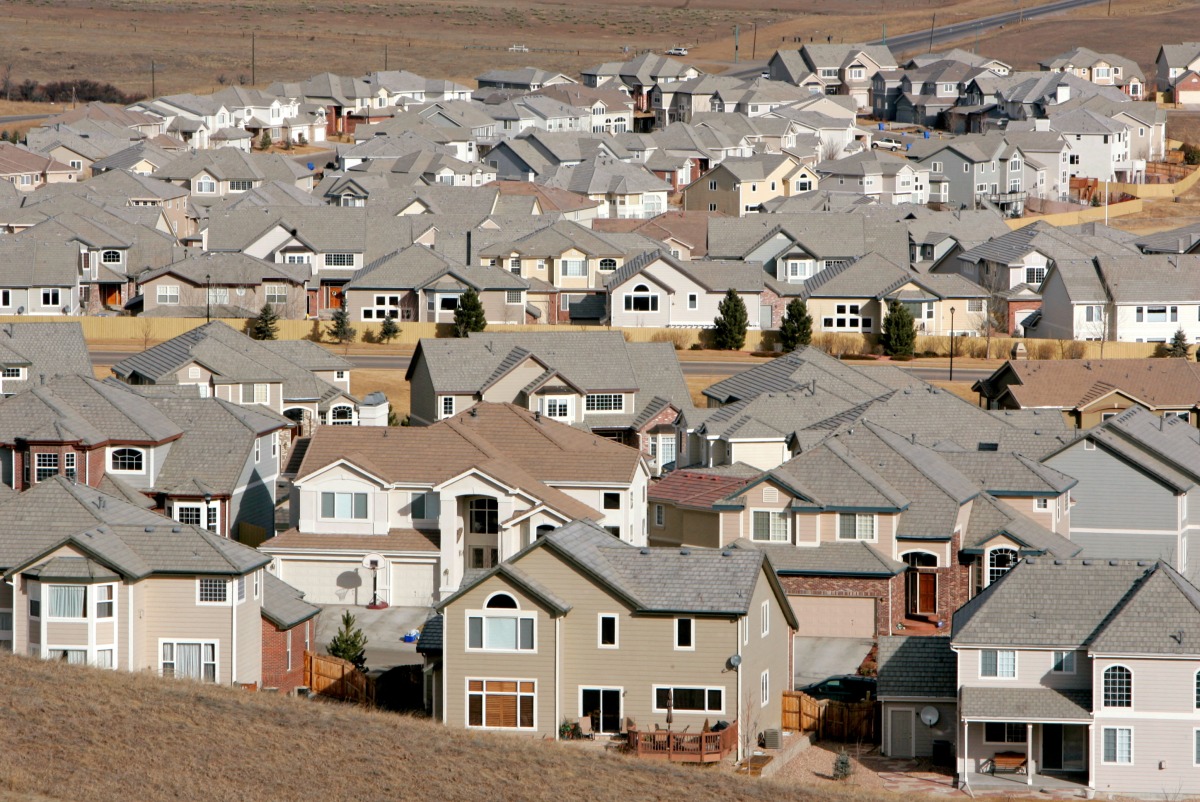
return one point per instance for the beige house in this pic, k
(581, 627)
(226, 285)
(737, 187)
(27, 170)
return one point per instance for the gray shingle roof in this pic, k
(283, 605)
(855, 559)
(430, 641)
(1025, 704)
(917, 667)
(43, 349)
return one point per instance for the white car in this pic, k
(677, 51)
(888, 143)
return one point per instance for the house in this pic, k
(627, 392)
(637, 640)
(213, 174)
(337, 98)
(33, 352)
(1185, 239)
(972, 171)
(1174, 64)
(1100, 146)
(916, 675)
(27, 170)
(202, 461)
(1088, 689)
(1103, 69)
(1136, 473)
(1090, 391)
(639, 76)
(882, 177)
(624, 190)
(91, 578)
(295, 378)
(841, 69)
(289, 629)
(403, 88)
(39, 278)
(680, 101)
(431, 503)
(611, 110)
(227, 285)
(738, 186)
(683, 234)
(528, 79)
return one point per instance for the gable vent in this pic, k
(770, 494)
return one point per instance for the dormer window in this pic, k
(205, 185)
(127, 460)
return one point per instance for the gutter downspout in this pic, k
(129, 666)
(557, 676)
(233, 636)
(745, 621)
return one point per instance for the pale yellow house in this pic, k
(738, 186)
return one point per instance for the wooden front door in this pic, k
(926, 593)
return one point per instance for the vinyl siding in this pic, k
(1155, 743)
(1112, 494)
(249, 634)
(1033, 670)
(1159, 686)
(764, 653)
(170, 611)
(422, 400)
(685, 527)
(508, 389)
(923, 735)
(763, 456)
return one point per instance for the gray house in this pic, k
(918, 693)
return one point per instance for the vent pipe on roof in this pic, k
(468, 248)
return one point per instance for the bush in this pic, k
(1042, 349)
(842, 767)
(677, 337)
(1191, 153)
(1071, 349)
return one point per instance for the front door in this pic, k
(604, 707)
(920, 584)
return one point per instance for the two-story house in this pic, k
(429, 503)
(31, 353)
(226, 285)
(1102, 69)
(1100, 146)
(971, 171)
(739, 186)
(1176, 65)
(581, 626)
(1080, 674)
(882, 177)
(841, 69)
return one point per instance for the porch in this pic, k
(684, 747)
(1070, 784)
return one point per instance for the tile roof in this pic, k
(685, 488)
(44, 350)
(432, 631)
(838, 558)
(917, 667)
(1025, 704)
(406, 540)
(283, 605)
(806, 366)
(1076, 383)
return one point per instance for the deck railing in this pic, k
(691, 747)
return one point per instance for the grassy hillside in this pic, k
(72, 733)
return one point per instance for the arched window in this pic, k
(1118, 687)
(206, 186)
(501, 601)
(1000, 561)
(641, 300)
(111, 257)
(127, 460)
(608, 264)
(341, 415)
(546, 529)
(920, 559)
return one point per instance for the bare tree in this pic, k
(1096, 329)
(6, 84)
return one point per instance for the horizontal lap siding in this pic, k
(1155, 742)
(1113, 495)
(1033, 671)
(1159, 686)
(171, 612)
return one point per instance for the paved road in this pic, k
(20, 118)
(705, 368)
(919, 40)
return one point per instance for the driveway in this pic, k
(820, 658)
(384, 630)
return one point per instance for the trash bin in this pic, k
(943, 753)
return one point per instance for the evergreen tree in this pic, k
(339, 327)
(264, 141)
(842, 768)
(796, 328)
(266, 325)
(388, 330)
(350, 643)
(1178, 347)
(469, 315)
(729, 333)
(898, 337)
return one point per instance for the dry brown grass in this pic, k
(389, 382)
(73, 733)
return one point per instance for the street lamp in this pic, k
(952, 343)
(208, 298)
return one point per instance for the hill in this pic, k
(71, 732)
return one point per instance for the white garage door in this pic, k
(328, 581)
(412, 584)
(1192, 96)
(834, 616)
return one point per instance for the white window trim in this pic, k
(1074, 662)
(1131, 747)
(764, 688)
(485, 680)
(88, 602)
(766, 618)
(654, 689)
(874, 528)
(600, 630)
(660, 515)
(787, 520)
(675, 635)
(145, 460)
(500, 612)
(229, 593)
(216, 644)
(352, 493)
(1016, 665)
(1124, 710)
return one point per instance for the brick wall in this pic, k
(275, 670)
(888, 593)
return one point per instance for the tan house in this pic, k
(27, 170)
(738, 186)
(584, 628)
(226, 285)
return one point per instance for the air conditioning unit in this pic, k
(772, 739)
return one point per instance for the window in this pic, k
(573, 268)
(510, 631)
(856, 526)
(339, 260)
(1041, 504)
(46, 465)
(241, 588)
(344, 506)
(612, 501)
(424, 506)
(35, 608)
(604, 402)
(5, 297)
(1063, 663)
(693, 300)
(448, 303)
(803, 185)
(104, 658)
(276, 293)
(1000, 561)
(1118, 745)
(689, 700)
(1118, 687)
(483, 516)
(168, 294)
(213, 591)
(641, 300)
(67, 601)
(998, 663)
(11, 373)
(683, 634)
(608, 265)
(190, 660)
(50, 297)
(1197, 681)
(126, 460)
(447, 403)
(341, 415)
(974, 304)
(110, 257)
(241, 186)
(607, 634)
(999, 732)
(712, 186)
(255, 393)
(769, 525)
(299, 258)
(205, 185)
(69, 465)
(766, 618)
(660, 519)
(503, 704)
(712, 207)
(764, 689)
(190, 514)
(257, 450)
(556, 407)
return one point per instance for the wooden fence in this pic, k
(848, 722)
(687, 747)
(335, 678)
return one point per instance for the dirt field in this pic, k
(196, 44)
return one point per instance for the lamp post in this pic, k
(952, 343)
(208, 298)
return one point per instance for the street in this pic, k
(917, 40)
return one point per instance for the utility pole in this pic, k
(735, 44)
(754, 45)
(385, 60)
(932, 25)
(253, 61)
(153, 92)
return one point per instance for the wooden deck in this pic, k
(685, 747)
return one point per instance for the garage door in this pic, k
(328, 581)
(834, 616)
(412, 584)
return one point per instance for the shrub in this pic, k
(339, 327)
(796, 328)
(1042, 349)
(388, 330)
(729, 330)
(469, 316)
(677, 337)
(842, 767)
(1071, 349)
(899, 333)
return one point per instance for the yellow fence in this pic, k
(1158, 190)
(1086, 214)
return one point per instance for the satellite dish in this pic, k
(930, 715)
(373, 561)
(734, 661)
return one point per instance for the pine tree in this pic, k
(898, 336)
(350, 643)
(388, 330)
(469, 316)
(842, 767)
(264, 141)
(266, 325)
(729, 332)
(796, 328)
(1178, 347)
(339, 328)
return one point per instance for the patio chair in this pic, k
(585, 728)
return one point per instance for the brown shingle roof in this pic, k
(1075, 383)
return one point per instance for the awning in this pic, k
(1027, 705)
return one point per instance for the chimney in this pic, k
(537, 416)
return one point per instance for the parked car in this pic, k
(677, 51)
(846, 688)
(888, 143)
